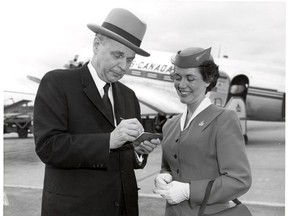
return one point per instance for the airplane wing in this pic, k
(155, 95)
(14, 106)
(158, 101)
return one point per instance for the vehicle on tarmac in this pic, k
(18, 118)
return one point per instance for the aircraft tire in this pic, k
(23, 133)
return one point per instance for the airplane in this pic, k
(255, 91)
(263, 86)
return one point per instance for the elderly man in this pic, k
(85, 122)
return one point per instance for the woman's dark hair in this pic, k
(210, 73)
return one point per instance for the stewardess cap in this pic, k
(192, 57)
(124, 27)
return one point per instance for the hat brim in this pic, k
(99, 29)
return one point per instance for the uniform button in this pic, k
(177, 171)
(94, 166)
(116, 204)
(175, 156)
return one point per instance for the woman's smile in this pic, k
(184, 93)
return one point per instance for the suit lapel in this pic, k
(92, 92)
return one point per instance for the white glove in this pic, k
(177, 192)
(162, 180)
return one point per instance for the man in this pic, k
(86, 140)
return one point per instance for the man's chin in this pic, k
(114, 79)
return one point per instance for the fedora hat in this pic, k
(192, 57)
(124, 27)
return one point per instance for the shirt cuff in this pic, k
(139, 158)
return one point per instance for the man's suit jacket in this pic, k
(212, 147)
(72, 131)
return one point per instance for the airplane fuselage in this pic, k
(264, 97)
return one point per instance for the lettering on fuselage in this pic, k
(151, 70)
(153, 67)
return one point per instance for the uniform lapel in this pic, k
(207, 116)
(92, 92)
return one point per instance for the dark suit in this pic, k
(82, 176)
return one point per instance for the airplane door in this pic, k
(219, 94)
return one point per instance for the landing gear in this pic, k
(238, 105)
(23, 133)
(245, 139)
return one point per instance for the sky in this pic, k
(45, 34)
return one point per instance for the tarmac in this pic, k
(28, 204)
(24, 172)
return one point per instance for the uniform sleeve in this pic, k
(234, 170)
(54, 144)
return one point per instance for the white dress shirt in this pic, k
(100, 85)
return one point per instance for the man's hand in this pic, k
(175, 193)
(126, 131)
(147, 147)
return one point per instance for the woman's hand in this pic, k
(175, 192)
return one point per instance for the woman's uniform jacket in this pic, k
(72, 132)
(212, 147)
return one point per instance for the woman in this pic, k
(203, 143)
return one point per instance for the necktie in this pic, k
(107, 101)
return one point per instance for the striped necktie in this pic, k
(107, 101)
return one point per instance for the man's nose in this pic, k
(123, 64)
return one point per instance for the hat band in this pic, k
(122, 33)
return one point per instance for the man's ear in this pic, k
(96, 44)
